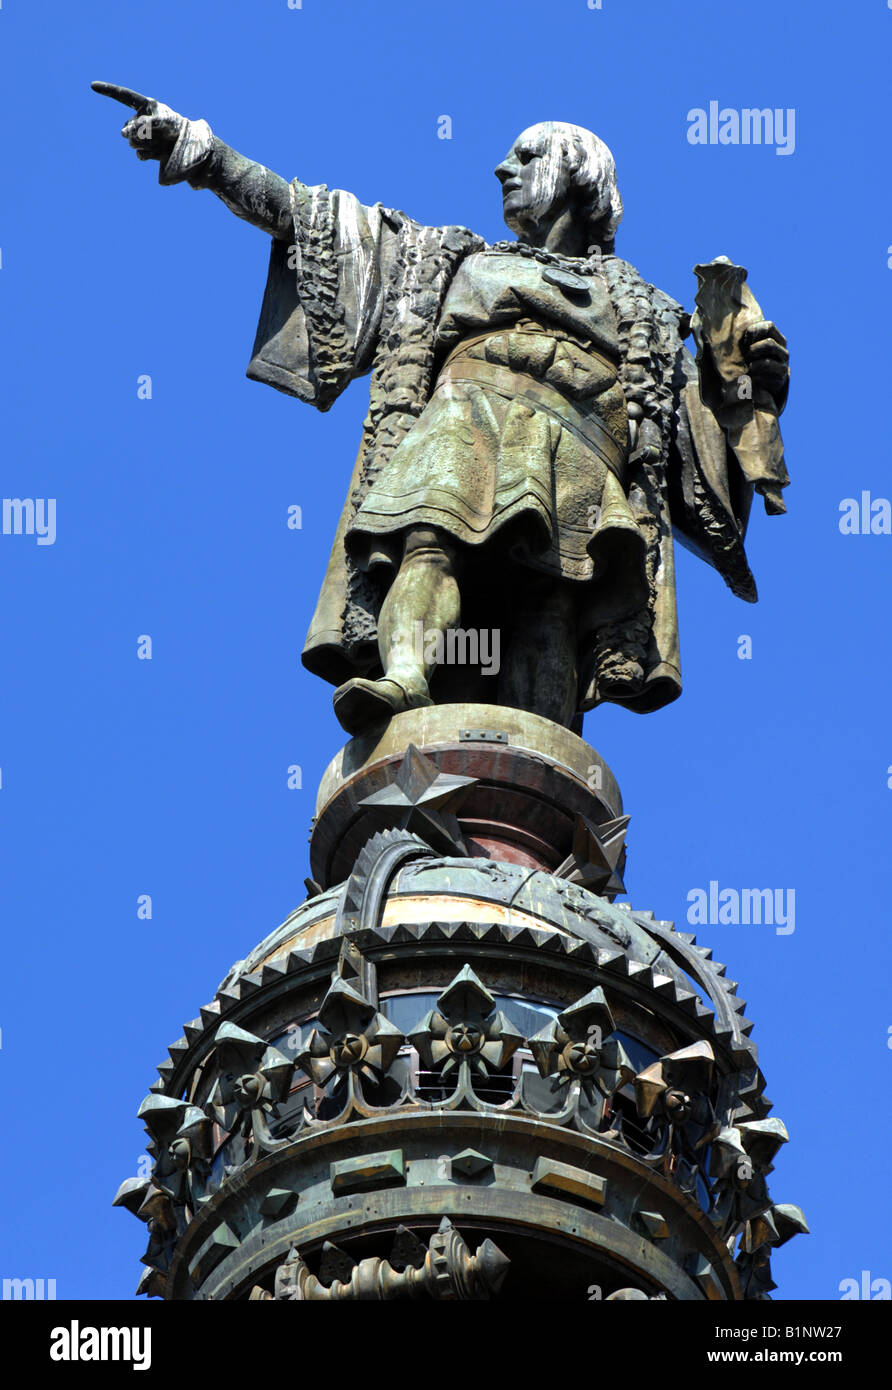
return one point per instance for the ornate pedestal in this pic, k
(518, 786)
(458, 1070)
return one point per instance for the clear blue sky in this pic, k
(123, 777)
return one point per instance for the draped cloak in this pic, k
(361, 291)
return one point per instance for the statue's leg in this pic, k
(540, 673)
(422, 603)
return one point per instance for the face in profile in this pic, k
(535, 178)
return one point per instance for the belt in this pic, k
(588, 428)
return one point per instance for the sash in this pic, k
(588, 427)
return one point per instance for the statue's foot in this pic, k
(360, 703)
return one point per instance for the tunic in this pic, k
(525, 433)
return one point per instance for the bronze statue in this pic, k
(537, 430)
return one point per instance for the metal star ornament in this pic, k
(595, 854)
(423, 800)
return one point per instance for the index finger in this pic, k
(122, 94)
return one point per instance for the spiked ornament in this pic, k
(596, 852)
(465, 1032)
(423, 801)
(352, 1037)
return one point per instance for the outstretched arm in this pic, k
(323, 309)
(250, 190)
(188, 151)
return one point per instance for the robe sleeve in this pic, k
(324, 297)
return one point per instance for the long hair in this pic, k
(592, 171)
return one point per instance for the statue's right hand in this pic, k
(155, 128)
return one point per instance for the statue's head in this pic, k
(553, 167)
